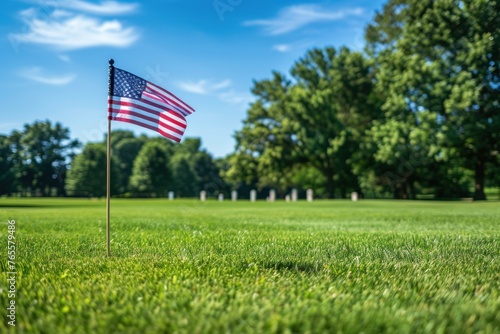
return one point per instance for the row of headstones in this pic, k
(253, 196)
(271, 198)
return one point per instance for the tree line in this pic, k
(416, 113)
(42, 160)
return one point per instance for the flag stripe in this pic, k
(171, 97)
(153, 101)
(156, 128)
(138, 114)
(171, 116)
(131, 117)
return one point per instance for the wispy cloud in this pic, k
(203, 87)
(64, 58)
(68, 30)
(221, 90)
(38, 74)
(102, 8)
(233, 97)
(282, 47)
(295, 17)
(294, 46)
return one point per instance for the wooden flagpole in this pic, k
(111, 84)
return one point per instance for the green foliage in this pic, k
(448, 81)
(138, 170)
(310, 178)
(314, 122)
(7, 182)
(192, 267)
(207, 170)
(87, 176)
(195, 169)
(151, 175)
(125, 152)
(40, 157)
(185, 183)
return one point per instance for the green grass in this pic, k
(191, 267)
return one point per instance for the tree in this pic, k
(125, 152)
(452, 76)
(151, 174)
(194, 169)
(7, 179)
(185, 182)
(42, 152)
(316, 121)
(87, 175)
(206, 170)
(189, 146)
(117, 136)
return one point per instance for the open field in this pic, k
(191, 267)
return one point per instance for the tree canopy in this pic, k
(439, 66)
(313, 120)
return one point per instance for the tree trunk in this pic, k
(400, 191)
(413, 191)
(404, 190)
(479, 194)
(330, 184)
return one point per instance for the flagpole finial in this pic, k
(111, 80)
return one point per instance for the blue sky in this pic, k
(208, 52)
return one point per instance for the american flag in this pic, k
(137, 101)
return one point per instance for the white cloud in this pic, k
(295, 17)
(221, 90)
(233, 97)
(203, 87)
(72, 24)
(223, 84)
(28, 12)
(103, 8)
(282, 47)
(58, 14)
(294, 46)
(64, 58)
(67, 31)
(37, 74)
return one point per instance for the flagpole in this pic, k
(111, 83)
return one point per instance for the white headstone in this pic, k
(253, 195)
(295, 195)
(272, 195)
(354, 196)
(287, 198)
(310, 195)
(220, 197)
(203, 195)
(171, 195)
(234, 195)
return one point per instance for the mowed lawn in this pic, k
(184, 266)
